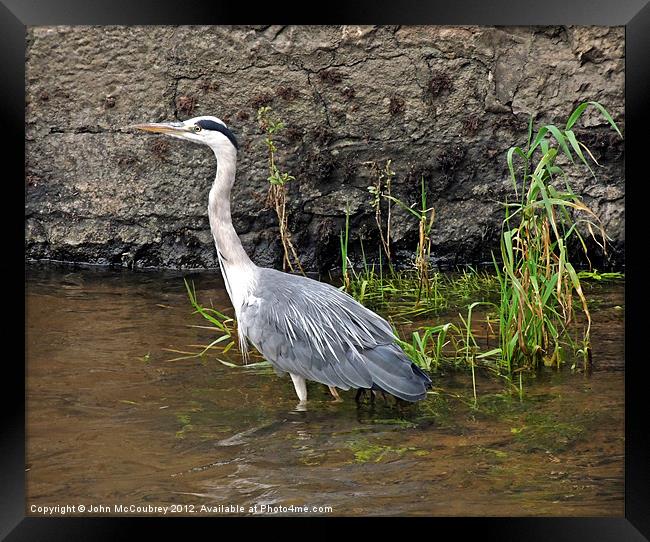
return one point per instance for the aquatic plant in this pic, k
(222, 324)
(425, 216)
(277, 194)
(538, 281)
(427, 344)
(382, 190)
(399, 294)
(600, 277)
(344, 252)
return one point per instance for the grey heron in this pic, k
(303, 327)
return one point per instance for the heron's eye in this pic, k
(196, 128)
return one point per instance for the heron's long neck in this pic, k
(235, 263)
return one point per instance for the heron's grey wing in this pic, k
(314, 330)
(302, 327)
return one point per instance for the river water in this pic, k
(111, 421)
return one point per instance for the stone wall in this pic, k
(443, 103)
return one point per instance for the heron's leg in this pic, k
(361, 395)
(335, 394)
(301, 387)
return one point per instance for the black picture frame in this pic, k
(16, 15)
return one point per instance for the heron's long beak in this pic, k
(177, 129)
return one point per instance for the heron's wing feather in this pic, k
(307, 327)
(313, 329)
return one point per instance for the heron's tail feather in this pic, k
(393, 372)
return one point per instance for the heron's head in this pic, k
(206, 130)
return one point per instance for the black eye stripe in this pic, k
(217, 127)
(211, 125)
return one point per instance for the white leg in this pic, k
(301, 387)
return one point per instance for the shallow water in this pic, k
(111, 421)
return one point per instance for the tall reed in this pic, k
(344, 237)
(537, 279)
(380, 190)
(425, 216)
(277, 195)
